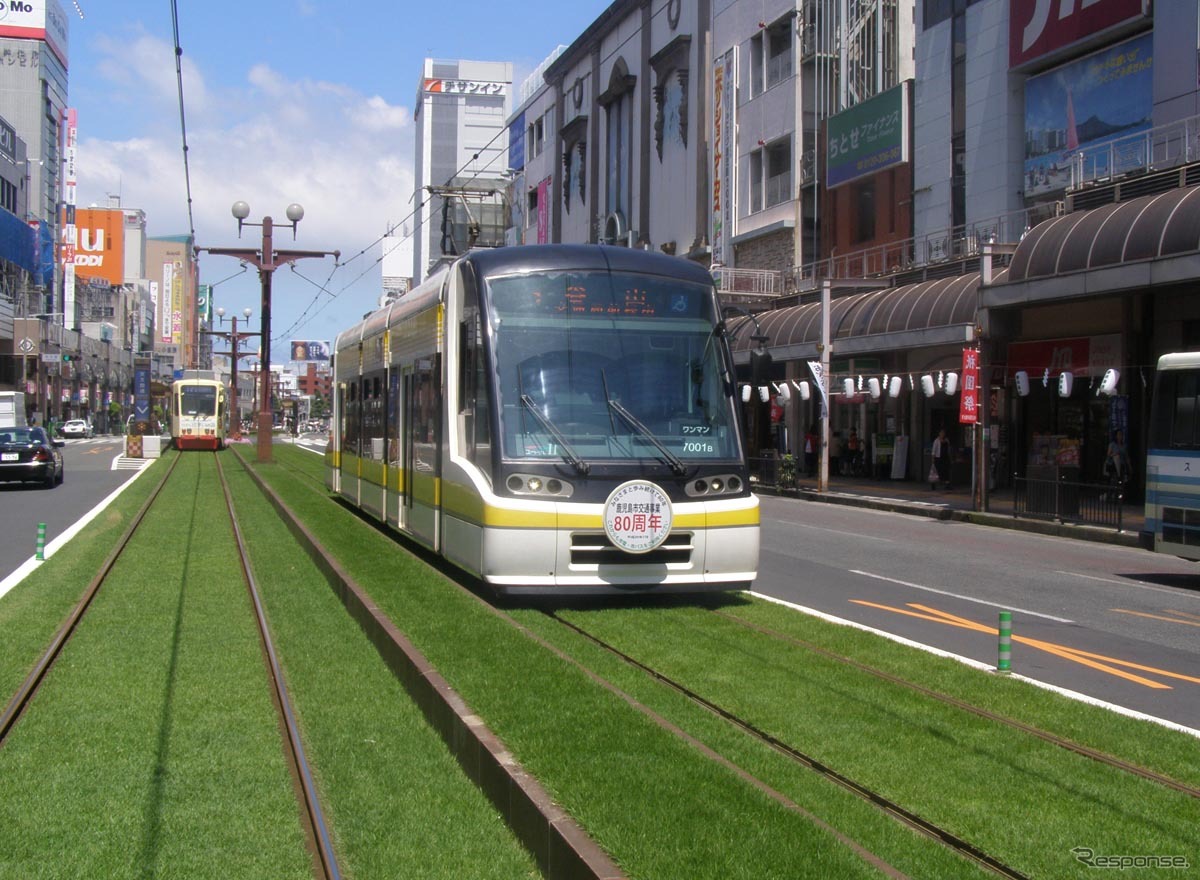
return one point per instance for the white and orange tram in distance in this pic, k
(199, 413)
(554, 419)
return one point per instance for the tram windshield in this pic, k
(198, 400)
(597, 366)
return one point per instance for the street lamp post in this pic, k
(233, 337)
(267, 260)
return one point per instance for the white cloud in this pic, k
(345, 156)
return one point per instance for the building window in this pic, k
(617, 101)
(771, 51)
(771, 175)
(574, 154)
(864, 196)
(671, 93)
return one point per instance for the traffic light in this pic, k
(66, 358)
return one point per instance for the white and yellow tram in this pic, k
(199, 413)
(552, 418)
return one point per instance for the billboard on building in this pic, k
(309, 350)
(867, 138)
(1079, 107)
(100, 244)
(1040, 27)
(37, 20)
(516, 143)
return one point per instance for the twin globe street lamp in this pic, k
(267, 259)
(233, 338)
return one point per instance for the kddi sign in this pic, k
(90, 251)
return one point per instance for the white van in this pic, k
(12, 409)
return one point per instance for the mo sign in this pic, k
(1040, 27)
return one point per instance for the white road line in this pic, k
(1181, 591)
(959, 596)
(1073, 695)
(872, 538)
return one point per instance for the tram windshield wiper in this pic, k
(677, 466)
(568, 452)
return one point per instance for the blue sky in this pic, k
(285, 101)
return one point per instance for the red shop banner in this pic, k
(968, 401)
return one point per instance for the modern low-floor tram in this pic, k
(552, 418)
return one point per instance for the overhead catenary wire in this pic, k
(187, 175)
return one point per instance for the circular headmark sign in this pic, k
(637, 516)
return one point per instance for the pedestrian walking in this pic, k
(810, 451)
(1116, 461)
(940, 470)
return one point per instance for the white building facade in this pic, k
(460, 143)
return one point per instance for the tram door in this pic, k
(421, 453)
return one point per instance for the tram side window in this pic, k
(374, 425)
(350, 419)
(474, 422)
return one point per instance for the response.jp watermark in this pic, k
(1092, 859)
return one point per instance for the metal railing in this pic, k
(1061, 500)
(747, 282)
(1166, 146)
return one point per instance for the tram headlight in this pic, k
(735, 485)
(700, 486)
(515, 483)
(553, 486)
(717, 485)
(535, 484)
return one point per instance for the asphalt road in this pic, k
(89, 478)
(1117, 624)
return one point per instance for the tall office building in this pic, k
(461, 147)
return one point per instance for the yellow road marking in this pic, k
(1084, 658)
(1156, 616)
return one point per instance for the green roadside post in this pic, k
(41, 542)
(1004, 662)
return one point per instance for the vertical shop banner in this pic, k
(968, 402)
(818, 373)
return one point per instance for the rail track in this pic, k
(315, 827)
(909, 817)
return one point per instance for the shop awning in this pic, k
(936, 312)
(1144, 242)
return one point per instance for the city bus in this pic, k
(1173, 457)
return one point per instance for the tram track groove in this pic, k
(907, 817)
(560, 845)
(316, 828)
(776, 779)
(1044, 735)
(28, 688)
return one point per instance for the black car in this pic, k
(29, 455)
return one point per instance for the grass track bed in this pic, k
(397, 802)
(972, 776)
(653, 802)
(153, 748)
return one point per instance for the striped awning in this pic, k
(1144, 242)
(934, 312)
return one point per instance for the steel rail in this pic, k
(315, 827)
(1053, 739)
(25, 693)
(890, 807)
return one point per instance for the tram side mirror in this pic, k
(1022, 380)
(1108, 385)
(1066, 380)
